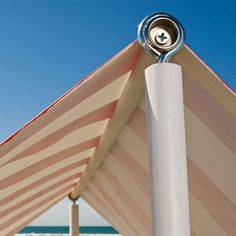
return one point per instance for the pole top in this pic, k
(72, 199)
(162, 35)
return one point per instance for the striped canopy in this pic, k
(92, 141)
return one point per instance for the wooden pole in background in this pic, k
(74, 219)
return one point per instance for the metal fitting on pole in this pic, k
(72, 199)
(162, 35)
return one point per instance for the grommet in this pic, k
(162, 35)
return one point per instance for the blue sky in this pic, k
(47, 46)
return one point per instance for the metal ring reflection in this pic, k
(162, 35)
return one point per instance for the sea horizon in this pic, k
(64, 230)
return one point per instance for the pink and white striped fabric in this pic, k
(43, 161)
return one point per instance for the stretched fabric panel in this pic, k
(41, 163)
(45, 160)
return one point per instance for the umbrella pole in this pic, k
(74, 219)
(167, 150)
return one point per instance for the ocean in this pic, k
(64, 231)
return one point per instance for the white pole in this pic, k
(74, 220)
(167, 150)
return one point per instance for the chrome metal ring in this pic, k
(162, 35)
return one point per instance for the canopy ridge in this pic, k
(127, 104)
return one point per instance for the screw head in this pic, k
(162, 37)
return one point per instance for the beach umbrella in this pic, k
(92, 143)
